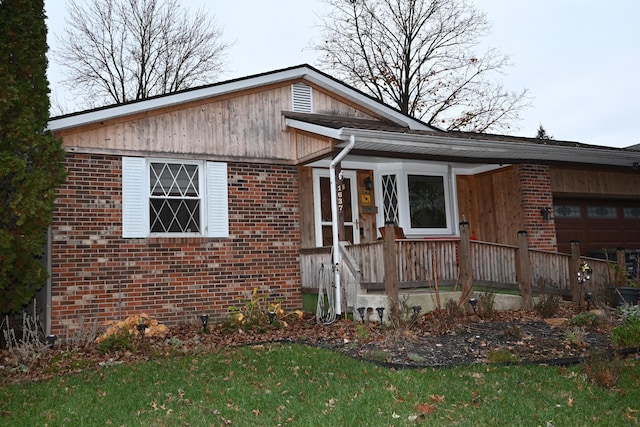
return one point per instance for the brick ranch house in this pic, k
(182, 204)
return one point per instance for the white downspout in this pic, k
(337, 258)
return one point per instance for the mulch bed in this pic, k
(436, 339)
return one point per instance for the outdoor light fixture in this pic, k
(380, 311)
(635, 166)
(51, 340)
(272, 317)
(368, 184)
(361, 313)
(473, 302)
(141, 328)
(546, 213)
(205, 321)
(588, 297)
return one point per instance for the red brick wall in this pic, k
(97, 275)
(536, 193)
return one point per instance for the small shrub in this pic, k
(575, 336)
(406, 317)
(627, 334)
(452, 310)
(32, 344)
(602, 371)
(121, 340)
(502, 355)
(547, 306)
(257, 314)
(442, 320)
(362, 332)
(513, 332)
(586, 319)
(628, 312)
(486, 305)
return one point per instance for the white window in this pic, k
(174, 198)
(418, 201)
(427, 201)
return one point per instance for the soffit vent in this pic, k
(301, 94)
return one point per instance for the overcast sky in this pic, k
(580, 59)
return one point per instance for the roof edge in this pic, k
(303, 71)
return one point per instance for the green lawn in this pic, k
(304, 386)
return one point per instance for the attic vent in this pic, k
(301, 94)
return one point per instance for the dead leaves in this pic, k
(424, 408)
(427, 408)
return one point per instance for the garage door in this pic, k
(597, 224)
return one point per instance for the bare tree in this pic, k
(418, 55)
(116, 51)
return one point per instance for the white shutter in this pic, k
(217, 200)
(135, 211)
(301, 94)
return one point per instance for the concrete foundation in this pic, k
(428, 302)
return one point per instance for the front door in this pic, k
(322, 207)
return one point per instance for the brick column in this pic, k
(535, 194)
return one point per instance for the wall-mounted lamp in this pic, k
(368, 184)
(546, 213)
(635, 166)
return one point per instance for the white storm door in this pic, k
(322, 207)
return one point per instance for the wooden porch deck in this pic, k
(423, 264)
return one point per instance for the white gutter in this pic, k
(337, 261)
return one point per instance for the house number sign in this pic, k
(341, 187)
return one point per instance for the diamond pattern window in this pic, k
(174, 198)
(390, 198)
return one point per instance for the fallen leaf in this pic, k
(424, 408)
(436, 398)
(570, 402)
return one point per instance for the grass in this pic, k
(304, 386)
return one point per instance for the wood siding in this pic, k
(307, 220)
(603, 183)
(246, 126)
(490, 203)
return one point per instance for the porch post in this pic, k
(524, 271)
(573, 271)
(391, 270)
(464, 261)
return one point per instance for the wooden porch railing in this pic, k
(422, 263)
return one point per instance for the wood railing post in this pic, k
(464, 261)
(621, 267)
(573, 271)
(391, 270)
(523, 267)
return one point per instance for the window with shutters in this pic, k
(174, 198)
